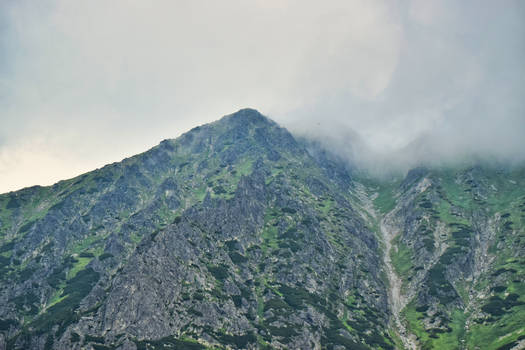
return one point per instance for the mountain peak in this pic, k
(249, 116)
(235, 235)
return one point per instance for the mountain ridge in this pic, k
(237, 235)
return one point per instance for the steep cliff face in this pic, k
(236, 235)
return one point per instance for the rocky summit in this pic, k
(238, 235)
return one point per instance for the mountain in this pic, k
(238, 235)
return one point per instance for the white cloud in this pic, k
(110, 79)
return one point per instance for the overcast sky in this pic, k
(85, 83)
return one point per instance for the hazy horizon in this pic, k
(85, 84)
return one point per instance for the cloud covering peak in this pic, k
(86, 83)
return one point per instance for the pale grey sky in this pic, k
(85, 83)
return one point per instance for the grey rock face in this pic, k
(237, 236)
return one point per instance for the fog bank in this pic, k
(86, 83)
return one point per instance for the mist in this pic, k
(385, 84)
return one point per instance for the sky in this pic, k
(86, 83)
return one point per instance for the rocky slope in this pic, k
(237, 235)
(458, 248)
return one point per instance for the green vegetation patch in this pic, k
(7, 323)
(386, 196)
(401, 258)
(220, 272)
(439, 286)
(298, 297)
(497, 306)
(238, 341)
(237, 258)
(27, 303)
(62, 313)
